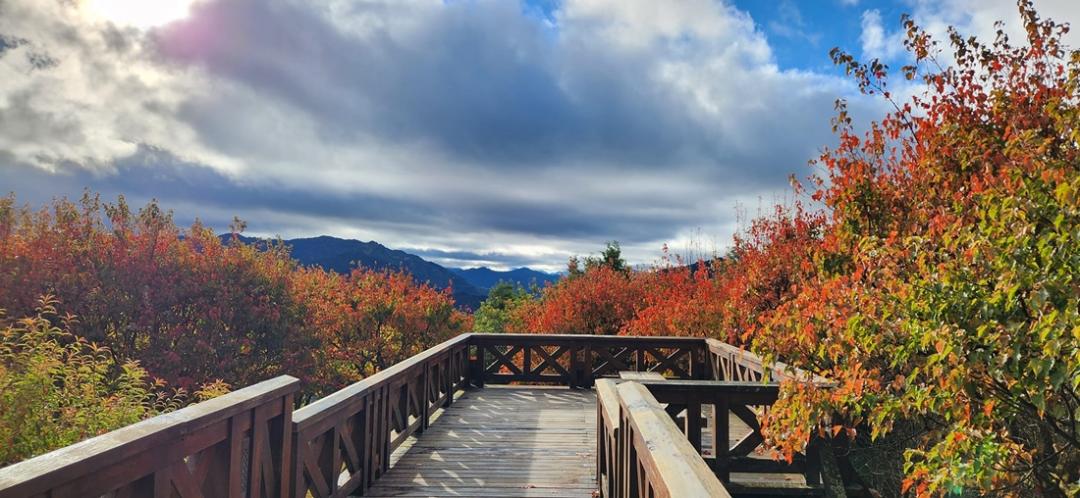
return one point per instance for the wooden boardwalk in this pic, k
(425, 427)
(502, 441)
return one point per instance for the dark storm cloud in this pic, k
(485, 84)
(198, 191)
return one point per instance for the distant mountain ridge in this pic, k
(486, 278)
(342, 255)
(470, 286)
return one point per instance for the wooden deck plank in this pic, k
(517, 441)
(506, 441)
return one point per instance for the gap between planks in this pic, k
(506, 441)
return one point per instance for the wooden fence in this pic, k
(739, 386)
(577, 360)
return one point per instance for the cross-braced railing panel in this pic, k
(653, 460)
(345, 441)
(674, 362)
(232, 445)
(577, 360)
(685, 402)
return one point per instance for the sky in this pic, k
(497, 133)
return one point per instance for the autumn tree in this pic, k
(187, 306)
(497, 314)
(194, 309)
(369, 320)
(945, 296)
(724, 298)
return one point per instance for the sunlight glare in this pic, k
(142, 14)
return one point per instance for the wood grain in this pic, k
(508, 441)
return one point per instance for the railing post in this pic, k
(477, 363)
(425, 394)
(576, 373)
(448, 380)
(720, 447)
(296, 462)
(283, 440)
(587, 366)
(695, 362)
(812, 472)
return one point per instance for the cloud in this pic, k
(791, 24)
(877, 43)
(501, 260)
(483, 127)
(970, 17)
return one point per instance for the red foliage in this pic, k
(369, 320)
(722, 298)
(193, 309)
(599, 301)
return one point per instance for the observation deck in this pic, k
(508, 415)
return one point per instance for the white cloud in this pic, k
(877, 42)
(970, 17)
(977, 17)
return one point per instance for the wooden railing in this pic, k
(577, 360)
(655, 460)
(730, 363)
(741, 399)
(250, 443)
(608, 454)
(344, 441)
(742, 387)
(231, 446)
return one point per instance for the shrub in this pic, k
(58, 389)
(369, 320)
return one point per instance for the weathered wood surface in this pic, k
(577, 360)
(743, 464)
(655, 460)
(344, 442)
(639, 376)
(510, 441)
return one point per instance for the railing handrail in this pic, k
(779, 371)
(588, 338)
(90, 456)
(671, 464)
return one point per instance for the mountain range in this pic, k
(486, 278)
(470, 286)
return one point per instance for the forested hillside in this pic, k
(345, 255)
